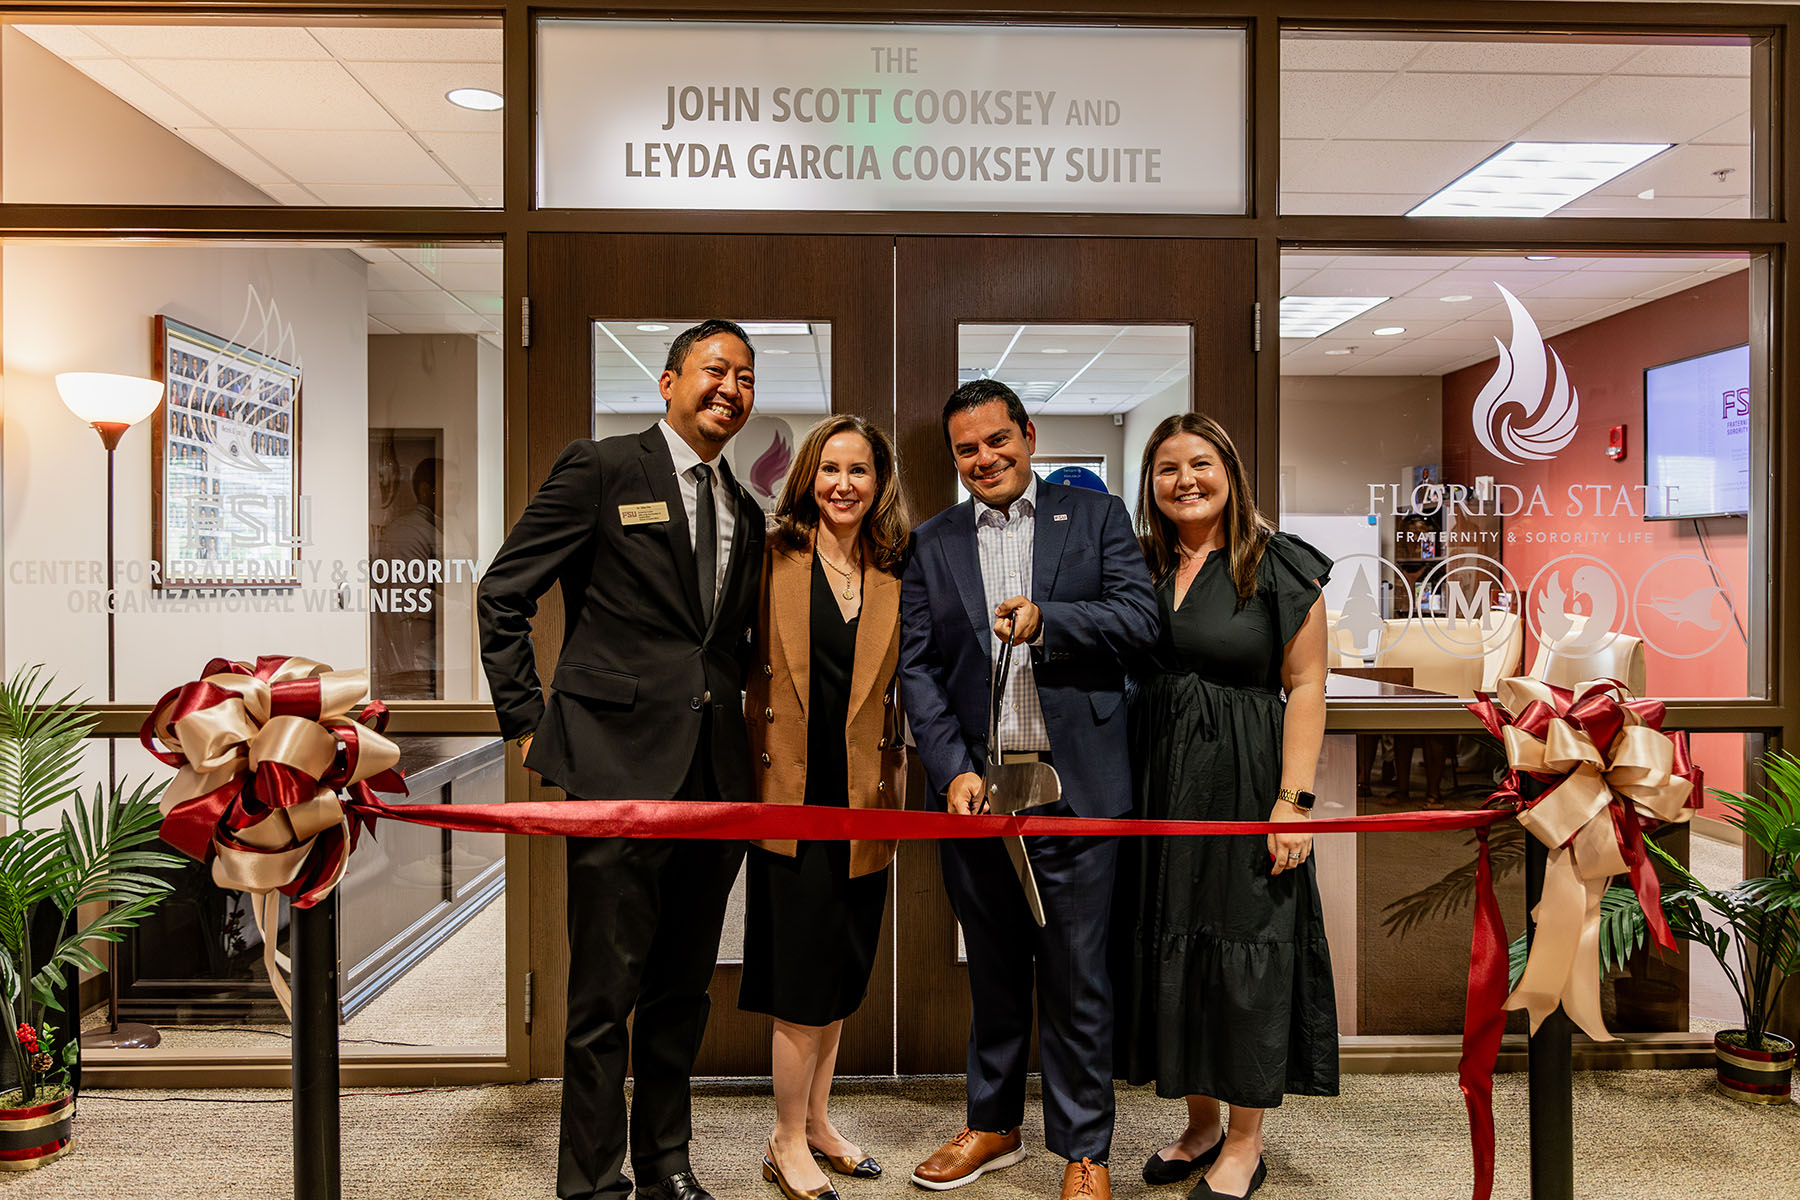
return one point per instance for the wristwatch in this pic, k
(1299, 799)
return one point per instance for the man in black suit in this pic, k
(657, 550)
(1057, 570)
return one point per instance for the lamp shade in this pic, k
(101, 399)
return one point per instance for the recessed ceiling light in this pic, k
(1539, 257)
(774, 328)
(1647, 194)
(1529, 179)
(1455, 299)
(1310, 316)
(1390, 330)
(1053, 350)
(651, 327)
(775, 350)
(479, 99)
(1337, 353)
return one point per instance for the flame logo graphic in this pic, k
(1514, 420)
(230, 386)
(771, 466)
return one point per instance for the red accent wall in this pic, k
(1606, 361)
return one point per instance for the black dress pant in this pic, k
(1064, 963)
(644, 921)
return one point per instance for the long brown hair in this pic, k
(1246, 530)
(886, 527)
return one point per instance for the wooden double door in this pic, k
(895, 322)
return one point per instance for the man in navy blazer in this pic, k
(1056, 569)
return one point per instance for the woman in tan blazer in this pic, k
(823, 731)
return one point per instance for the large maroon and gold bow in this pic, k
(264, 752)
(1613, 775)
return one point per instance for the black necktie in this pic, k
(706, 541)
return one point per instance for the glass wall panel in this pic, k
(421, 935)
(311, 112)
(322, 478)
(1533, 464)
(1499, 125)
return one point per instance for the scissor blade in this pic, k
(1015, 850)
(1012, 787)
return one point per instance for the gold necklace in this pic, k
(848, 593)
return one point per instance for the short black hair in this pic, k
(980, 392)
(684, 341)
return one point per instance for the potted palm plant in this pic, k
(1752, 928)
(59, 850)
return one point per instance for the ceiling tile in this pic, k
(1690, 60)
(1317, 104)
(340, 195)
(459, 276)
(1339, 204)
(234, 156)
(1461, 108)
(414, 93)
(220, 43)
(1603, 285)
(1687, 171)
(1493, 56)
(392, 276)
(1639, 109)
(323, 158)
(439, 324)
(474, 158)
(432, 302)
(292, 194)
(1420, 167)
(376, 327)
(1347, 54)
(489, 304)
(1363, 281)
(271, 95)
(412, 43)
(64, 41)
(148, 97)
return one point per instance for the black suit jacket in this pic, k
(637, 668)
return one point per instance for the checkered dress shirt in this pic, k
(1005, 541)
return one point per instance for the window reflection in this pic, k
(1497, 452)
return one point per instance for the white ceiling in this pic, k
(434, 289)
(1076, 370)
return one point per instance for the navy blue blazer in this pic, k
(1089, 578)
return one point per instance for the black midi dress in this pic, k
(811, 931)
(1222, 976)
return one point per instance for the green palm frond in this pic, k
(41, 737)
(102, 859)
(1623, 927)
(1456, 890)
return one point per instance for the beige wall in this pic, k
(1340, 433)
(1085, 435)
(67, 140)
(92, 308)
(1176, 398)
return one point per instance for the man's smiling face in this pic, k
(711, 396)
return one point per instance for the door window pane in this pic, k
(298, 113)
(1498, 452)
(1488, 125)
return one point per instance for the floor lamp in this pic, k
(112, 404)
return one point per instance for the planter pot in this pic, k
(36, 1134)
(1754, 1076)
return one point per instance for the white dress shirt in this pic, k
(724, 502)
(1005, 541)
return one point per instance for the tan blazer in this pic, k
(780, 688)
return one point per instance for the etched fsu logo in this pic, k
(1515, 420)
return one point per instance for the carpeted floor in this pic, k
(1643, 1134)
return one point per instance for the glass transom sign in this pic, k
(885, 117)
(229, 511)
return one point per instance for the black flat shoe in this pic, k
(1159, 1170)
(1204, 1191)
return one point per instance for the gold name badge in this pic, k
(643, 514)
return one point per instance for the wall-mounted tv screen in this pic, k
(1697, 437)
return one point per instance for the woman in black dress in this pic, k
(1225, 992)
(823, 730)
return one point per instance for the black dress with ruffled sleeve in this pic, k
(1222, 975)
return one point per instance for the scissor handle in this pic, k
(997, 687)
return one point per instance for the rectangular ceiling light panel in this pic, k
(1310, 316)
(1529, 179)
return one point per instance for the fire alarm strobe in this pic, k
(1615, 443)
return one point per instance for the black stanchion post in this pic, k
(313, 939)
(1550, 1072)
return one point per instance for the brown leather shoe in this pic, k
(968, 1156)
(1086, 1180)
